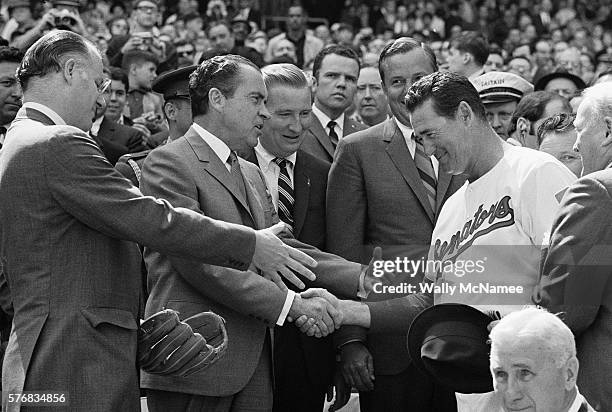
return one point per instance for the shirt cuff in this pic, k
(362, 293)
(286, 307)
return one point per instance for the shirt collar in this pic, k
(406, 131)
(577, 402)
(95, 126)
(268, 158)
(324, 119)
(217, 145)
(47, 111)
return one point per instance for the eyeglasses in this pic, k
(102, 85)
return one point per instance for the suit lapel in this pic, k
(107, 129)
(212, 164)
(403, 161)
(319, 132)
(301, 188)
(349, 126)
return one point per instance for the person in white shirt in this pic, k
(486, 243)
(534, 364)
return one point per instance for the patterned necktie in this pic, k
(285, 193)
(236, 174)
(332, 133)
(426, 171)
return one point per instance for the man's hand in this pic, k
(133, 43)
(370, 279)
(342, 389)
(272, 256)
(322, 317)
(357, 366)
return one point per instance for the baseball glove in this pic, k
(169, 346)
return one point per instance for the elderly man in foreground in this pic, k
(534, 364)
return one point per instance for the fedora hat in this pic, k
(449, 343)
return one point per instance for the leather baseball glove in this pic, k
(169, 346)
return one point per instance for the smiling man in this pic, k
(335, 72)
(501, 215)
(10, 91)
(297, 182)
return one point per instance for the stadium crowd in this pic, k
(387, 201)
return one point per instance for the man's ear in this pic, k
(467, 57)
(216, 99)
(571, 373)
(608, 139)
(464, 113)
(70, 70)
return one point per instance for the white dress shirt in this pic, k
(324, 119)
(271, 170)
(223, 152)
(95, 126)
(407, 133)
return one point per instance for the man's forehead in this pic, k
(287, 97)
(412, 61)
(369, 75)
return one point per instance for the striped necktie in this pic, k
(237, 174)
(285, 193)
(332, 133)
(426, 171)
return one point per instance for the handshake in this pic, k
(317, 312)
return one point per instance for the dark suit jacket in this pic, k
(188, 173)
(68, 223)
(115, 140)
(310, 185)
(577, 280)
(375, 198)
(317, 142)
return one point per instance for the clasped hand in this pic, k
(316, 312)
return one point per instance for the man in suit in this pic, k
(68, 221)
(201, 171)
(577, 272)
(379, 195)
(335, 72)
(114, 139)
(297, 182)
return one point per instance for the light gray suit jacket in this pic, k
(317, 141)
(68, 221)
(577, 280)
(375, 197)
(188, 173)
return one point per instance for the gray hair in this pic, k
(536, 325)
(284, 74)
(598, 99)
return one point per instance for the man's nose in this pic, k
(263, 112)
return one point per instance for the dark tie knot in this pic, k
(331, 125)
(281, 162)
(2, 130)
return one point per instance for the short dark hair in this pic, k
(338, 49)
(10, 54)
(474, 43)
(220, 72)
(48, 54)
(138, 57)
(560, 123)
(116, 73)
(446, 90)
(532, 107)
(404, 45)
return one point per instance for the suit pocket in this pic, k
(112, 316)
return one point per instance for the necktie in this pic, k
(285, 193)
(426, 171)
(332, 133)
(237, 174)
(2, 133)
